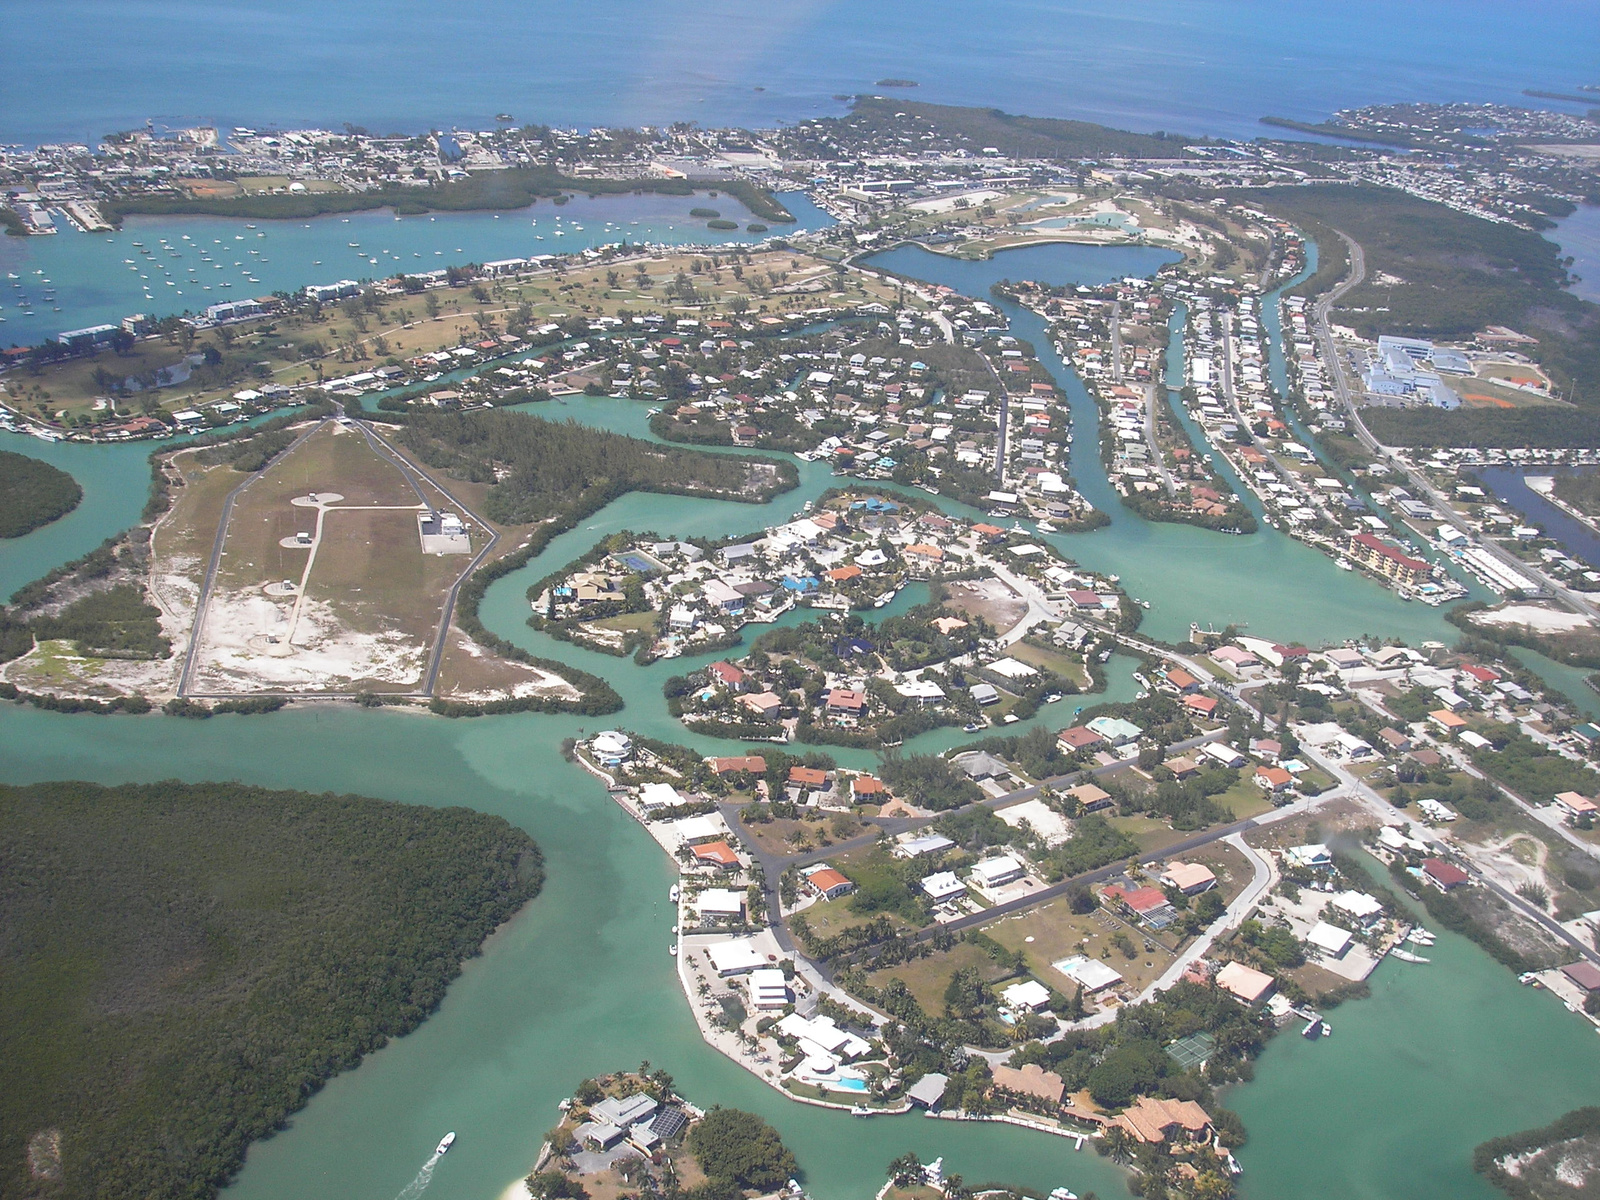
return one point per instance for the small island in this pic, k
(631, 1133)
(33, 493)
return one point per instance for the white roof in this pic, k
(1011, 668)
(1092, 974)
(920, 689)
(1329, 938)
(719, 902)
(996, 868)
(735, 955)
(692, 829)
(659, 795)
(1357, 904)
(1030, 993)
(941, 885)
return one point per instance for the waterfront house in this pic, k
(763, 704)
(1249, 985)
(728, 675)
(846, 702)
(720, 903)
(1077, 738)
(865, 789)
(1154, 1120)
(1362, 910)
(717, 854)
(1444, 876)
(736, 956)
(1030, 1080)
(1329, 940)
(928, 1091)
(1115, 730)
(733, 765)
(1314, 857)
(769, 990)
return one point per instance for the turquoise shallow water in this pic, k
(580, 982)
(96, 283)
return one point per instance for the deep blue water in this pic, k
(75, 69)
(1507, 484)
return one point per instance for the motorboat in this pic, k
(445, 1143)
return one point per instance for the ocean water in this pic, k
(76, 69)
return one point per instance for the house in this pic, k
(611, 747)
(865, 789)
(1443, 875)
(769, 990)
(1147, 904)
(723, 596)
(829, 883)
(1330, 940)
(716, 903)
(942, 886)
(1394, 740)
(1091, 797)
(846, 703)
(1249, 985)
(1574, 806)
(1235, 657)
(1585, 974)
(654, 797)
(996, 872)
(1275, 780)
(736, 956)
(1182, 767)
(1115, 730)
(717, 854)
(1030, 994)
(1091, 974)
(1266, 748)
(911, 846)
(1153, 1120)
(728, 675)
(928, 1091)
(1223, 753)
(980, 765)
(1366, 911)
(762, 704)
(984, 694)
(1202, 706)
(753, 763)
(1077, 738)
(1182, 680)
(1031, 1080)
(811, 779)
(1189, 878)
(1315, 857)
(1447, 721)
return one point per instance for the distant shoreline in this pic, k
(499, 191)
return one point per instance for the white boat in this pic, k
(1344, 564)
(672, 893)
(445, 1143)
(673, 950)
(1407, 956)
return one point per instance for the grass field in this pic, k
(1057, 932)
(372, 601)
(928, 977)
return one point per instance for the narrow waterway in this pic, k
(1510, 486)
(580, 982)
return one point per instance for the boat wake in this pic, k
(424, 1177)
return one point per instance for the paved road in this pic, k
(430, 678)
